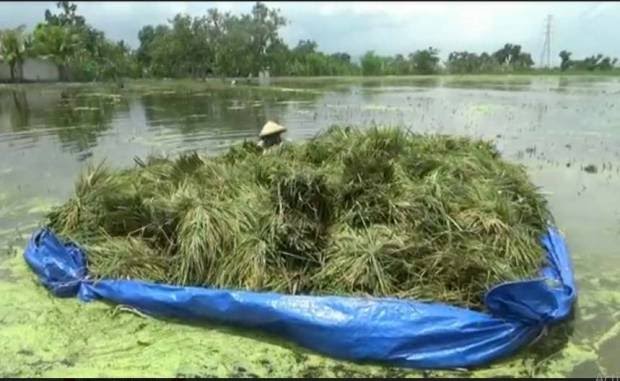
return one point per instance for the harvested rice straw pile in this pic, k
(379, 212)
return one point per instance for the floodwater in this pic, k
(555, 126)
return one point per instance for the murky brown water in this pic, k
(555, 126)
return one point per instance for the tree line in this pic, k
(221, 44)
(80, 51)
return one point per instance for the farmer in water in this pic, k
(271, 135)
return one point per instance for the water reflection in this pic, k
(81, 120)
(193, 114)
(76, 119)
(20, 117)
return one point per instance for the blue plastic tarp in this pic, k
(395, 331)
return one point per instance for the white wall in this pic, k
(33, 69)
(36, 69)
(5, 71)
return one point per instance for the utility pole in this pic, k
(548, 41)
(546, 51)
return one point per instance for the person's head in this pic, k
(271, 133)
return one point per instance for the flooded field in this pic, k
(565, 130)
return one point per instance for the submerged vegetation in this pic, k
(381, 212)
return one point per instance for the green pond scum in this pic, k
(45, 336)
(380, 212)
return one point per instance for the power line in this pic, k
(549, 41)
(546, 50)
(541, 43)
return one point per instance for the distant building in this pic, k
(31, 70)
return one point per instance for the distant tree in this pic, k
(464, 63)
(115, 61)
(512, 58)
(502, 56)
(343, 57)
(509, 57)
(59, 44)
(146, 35)
(425, 61)
(263, 30)
(305, 47)
(566, 61)
(279, 59)
(217, 43)
(80, 51)
(488, 64)
(225, 44)
(13, 47)
(371, 63)
(67, 17)
(305, 59)
(607, 63)
(523, 61)
(399, 65)
(590, 63)
(505, 55)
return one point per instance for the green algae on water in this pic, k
(378, 212)
(45, 336)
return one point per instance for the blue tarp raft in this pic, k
(394, 331)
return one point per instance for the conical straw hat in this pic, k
(271, 128)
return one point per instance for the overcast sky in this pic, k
(584, 28)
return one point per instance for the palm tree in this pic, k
(13, 47)
(56, 42)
